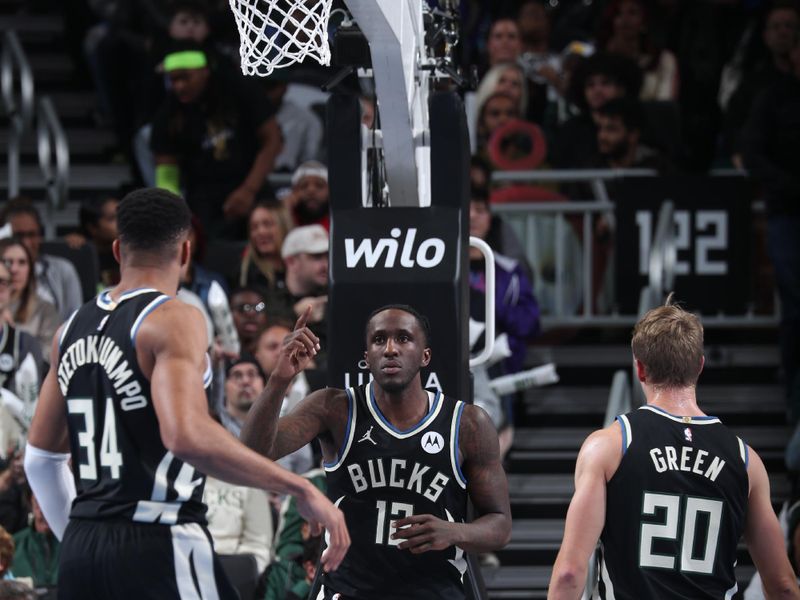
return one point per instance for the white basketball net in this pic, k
(278, 33)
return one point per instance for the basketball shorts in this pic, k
(121, 560)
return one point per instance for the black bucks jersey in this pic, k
(121, 467)
(676, 508)
(383, 474)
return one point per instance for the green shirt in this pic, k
(36, 556)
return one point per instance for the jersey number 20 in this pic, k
(669, 530)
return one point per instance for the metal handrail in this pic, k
(589, 175)
(489, 299)
(53, 150)
(569, 175)
(663, 253)
(19, 109)
(619, 397)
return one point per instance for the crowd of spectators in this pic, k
(566, 85)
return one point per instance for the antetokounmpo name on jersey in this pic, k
(394, 473)
(103, 351)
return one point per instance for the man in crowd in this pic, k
(305, 252)
(619, 131)
(244, 381)
(308, 199)
(249, 311)
(215, 137)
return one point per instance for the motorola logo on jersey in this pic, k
(398, 250)
(432, 442)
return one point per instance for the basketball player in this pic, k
(668, 490)
(400, 463)
(125, 397)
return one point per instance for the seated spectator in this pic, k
(6, 554)
(541, 65)
(497, 110)
(14, 494)
(307, 201)
(239, 520)
(624, 31)
(98, 224)
(771, 150)
(291, 580)
(507, 78)
(244, 381)
(195, 276)
(619, 129)
(305, 253)
(516, 309)
(57, 280)
(37, 550)
(30, 313)
(216, 137)
(19, 353)
(249, 316)
(16, 590)
(301, 128)
(595, 81)
(262, 264)
(293, 530)
(267, 352)
(780, 29)
(503, 45)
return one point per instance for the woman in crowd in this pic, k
(262, 265)
(624, 31)
(498, 109)
(29, 312)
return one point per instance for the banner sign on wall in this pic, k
(712, 238)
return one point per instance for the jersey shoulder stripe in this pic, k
(352, 411)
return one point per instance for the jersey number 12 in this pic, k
(399, 510)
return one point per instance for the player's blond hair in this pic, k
(669, 343)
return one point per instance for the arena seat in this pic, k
(242, 570)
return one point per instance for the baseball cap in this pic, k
(246, 359)
(308, 239)
(310, 168)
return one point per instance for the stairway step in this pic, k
(83, 177)
(531, 581)
(83, 143)
(32, 24)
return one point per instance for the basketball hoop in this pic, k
(278, 33)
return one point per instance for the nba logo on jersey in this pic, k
(432, 442)
(687, 433)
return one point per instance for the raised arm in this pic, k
(487, 487)
(765, 538)
(262, 430)
(173, 338)
(597, 461)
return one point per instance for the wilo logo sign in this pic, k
(427, 255)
